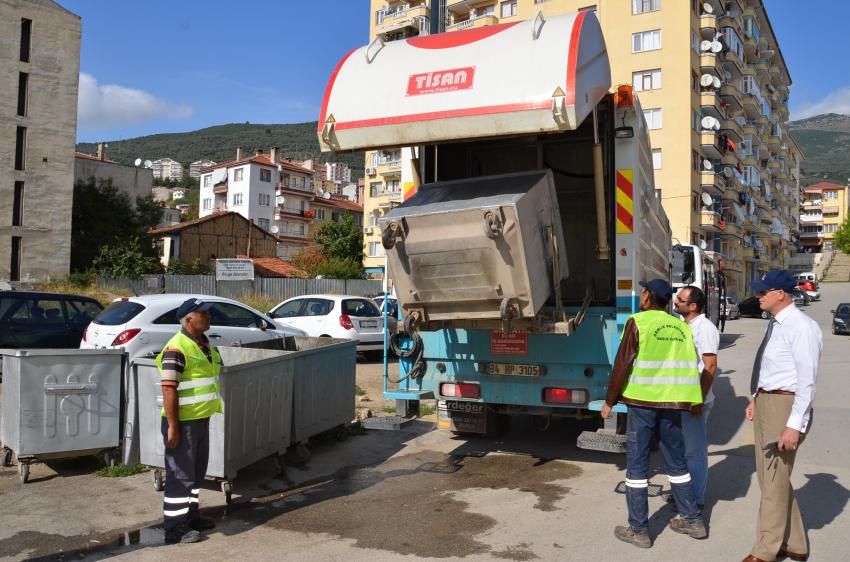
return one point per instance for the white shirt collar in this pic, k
(785, 313)
(696, 319)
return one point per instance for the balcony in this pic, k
(710, 61)
(293, 213)
(403, 16)
(477, 21)
(713, 184)
(710, 221)
(220, 189)
(709, 102)
(811, 219)
(290, 189)
(831, 209)
(292, 232)
(732, 128)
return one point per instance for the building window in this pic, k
(646, 41)
(265, 175)
(373, 249)
(830, 195)
(656, 158)
(20, 148)
(320, 214)
(265, 200)
(653, 118)
(23, 86)
(237, 199)
(208, 203)
(263, 223)
(358, 220)
(373, 219)
(695, 201)
(643, 6)
(508, 8)
(301, 229)
(828, 228)
(18, 204)
(238, 173)
(207, 180)
(695, 121)
(695, 161)
(374, 188)
(394, 186)
(646, 80)
(26, 39)
(694, 42)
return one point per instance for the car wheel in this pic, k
(834, 331)
(765, 314)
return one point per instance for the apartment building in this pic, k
(822, 211)
(40, 63)
(273, 193)
(167, 168)
(195, 167)
(714, 88)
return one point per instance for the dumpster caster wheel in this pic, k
(157, 481)
(342, 433)
(24, 472)
(7, 457)
(302, 452)
(228, 492)
(109, 459)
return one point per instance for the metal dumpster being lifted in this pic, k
(61, 403)
(486, 248)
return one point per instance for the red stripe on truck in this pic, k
(324, 112)
(575, 36)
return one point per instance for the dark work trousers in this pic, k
(185, 468)
(641, 425)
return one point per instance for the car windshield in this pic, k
(842, 309)
(731, 300)
(119, 312)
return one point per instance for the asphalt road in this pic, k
(421, 493)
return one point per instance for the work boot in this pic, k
(202, 524)
(183, 535)
(694, 529)
(627, 534)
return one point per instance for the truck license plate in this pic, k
(368, 324)
(513, 369)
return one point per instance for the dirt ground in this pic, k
(370, 378)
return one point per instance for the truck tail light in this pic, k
(460, 390)
(345, 322)
(126, 336)
(564, 396)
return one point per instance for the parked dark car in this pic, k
(44, 320)
(801, 298)
(841, 319)
(750, 307)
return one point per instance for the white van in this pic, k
(810, 276)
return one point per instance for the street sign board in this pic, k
(234, 270)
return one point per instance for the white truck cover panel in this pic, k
(488, 81)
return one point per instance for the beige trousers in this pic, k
(780, 524)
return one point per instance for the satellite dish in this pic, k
(275, 229)
(705, 46)
(710, 123)
(280, 200)
(707, 200)
(706, 80)
(137, 162)
(727, 172)
(707, 8)
(715, 81)
(326, 195)
(707, 165)
(148, 164)
(703, 245)
(716, 47)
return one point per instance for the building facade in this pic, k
(134, 181)
(40, 61)
(195, 167)
(167, 169)
(822, 211)
(714, 88)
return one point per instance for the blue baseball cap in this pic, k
(774, 279)
(658, 287)
(192, 305)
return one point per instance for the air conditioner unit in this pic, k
(370, 171)
(368, 230)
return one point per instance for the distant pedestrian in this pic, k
(690, 303)
(189, 366)
(783, 387)
(655, 374)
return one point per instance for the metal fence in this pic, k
(275, 288)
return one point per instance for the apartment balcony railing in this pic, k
(710, 221)
(477, 21)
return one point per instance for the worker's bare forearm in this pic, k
(170, 403)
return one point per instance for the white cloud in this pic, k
(836, 101)
(103, 106)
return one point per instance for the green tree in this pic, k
(125, 258)
(341, 240)
(341, 269)
(842, 237)
(103, 216)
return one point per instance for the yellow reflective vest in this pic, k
(665, 369)
(198, 391)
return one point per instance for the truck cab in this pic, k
(530, 213)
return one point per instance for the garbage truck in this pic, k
(529, 217)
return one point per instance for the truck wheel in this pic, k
(24, 472)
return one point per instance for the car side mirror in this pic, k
(832, 311)
(264, 325)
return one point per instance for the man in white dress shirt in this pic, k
(783, 388)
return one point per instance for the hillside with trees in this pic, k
(825, 142)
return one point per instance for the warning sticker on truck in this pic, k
(513, 343)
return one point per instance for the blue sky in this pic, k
(154, 66)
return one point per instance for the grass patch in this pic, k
(426, 409)
(358, 390)
(262, 304)
(120, 471)
(388, 409)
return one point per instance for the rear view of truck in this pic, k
(530, 213)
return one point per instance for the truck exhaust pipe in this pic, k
(602, 249)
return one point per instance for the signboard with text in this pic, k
(514, 343)
(234, 270)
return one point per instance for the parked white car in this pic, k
(143, 325)
(336, 316)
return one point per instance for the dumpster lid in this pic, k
(540, 75)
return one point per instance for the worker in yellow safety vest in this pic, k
(655, 374)
(189, 367)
